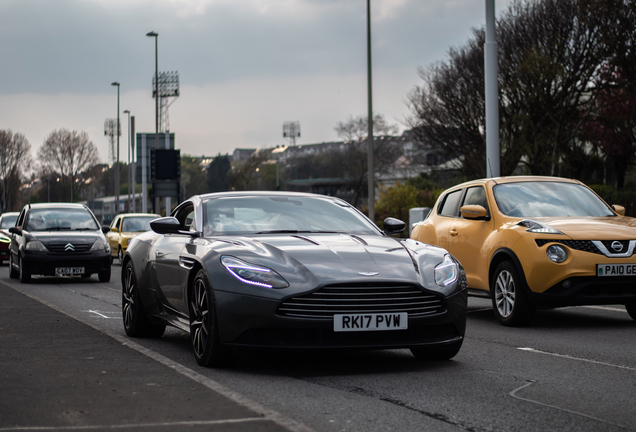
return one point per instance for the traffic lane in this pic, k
(349, 390)
(58, 373)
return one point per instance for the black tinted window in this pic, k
(449, 206)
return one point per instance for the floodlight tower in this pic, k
(168, 87)
(110, 131)
(291, 130)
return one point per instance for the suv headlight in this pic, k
(100, 245)
(446, 272)
(557, 253)
(252, 274)
(35, 245)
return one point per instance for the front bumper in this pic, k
(255, 323)
(588, 290)
(45, 263)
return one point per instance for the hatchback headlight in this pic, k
(557, 253)
(35, 245)
(253, 275)
(100, 245)
(446, 272)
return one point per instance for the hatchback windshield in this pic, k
(8, 221)
(137, 223)
(548, 199)
(281, 214)
(60, 219)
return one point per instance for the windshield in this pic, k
(548, 199)
(265, 215)
(137, 223)
(8, 221)
(60, 219)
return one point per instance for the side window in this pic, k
(476, 196)
(186, 217)
(449, 205)
(20, 222)
(115, 223)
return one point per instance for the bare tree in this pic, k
(15, 158)
(68, 153)
(356, 129)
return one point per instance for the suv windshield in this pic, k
(548, 199)
(282, 214)
(43, 219)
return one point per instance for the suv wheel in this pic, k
(509, 302)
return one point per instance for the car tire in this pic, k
(631, 310)
(24, 276)
(13, 273)
(509, 301)
(136, 321)
(445, 352)
(204, 331)
(104, 276)
(120, 255)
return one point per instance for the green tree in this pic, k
(193, 177)
(217, 173)
(395, 202)
(15, 159)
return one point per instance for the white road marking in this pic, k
(529, 383)
(97, 313)
(576, 358)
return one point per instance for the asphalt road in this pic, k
(66, 364)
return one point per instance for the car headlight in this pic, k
(538, 227)
(253, 275)
(35, 245)
(100, 245)
(557, 253)
(446, 272)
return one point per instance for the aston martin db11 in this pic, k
(290, 270)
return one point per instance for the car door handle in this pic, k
(453, 233)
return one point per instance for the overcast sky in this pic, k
(245, 66)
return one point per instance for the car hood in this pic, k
(334, 257)
(594, 228)
(47, 237)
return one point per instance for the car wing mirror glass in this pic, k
(473, 212)
(393, 226)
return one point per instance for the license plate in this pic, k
(616, 269)
(370, 322)
(69, 270)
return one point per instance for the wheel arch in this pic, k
(501, 255)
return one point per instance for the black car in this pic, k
(56, 239)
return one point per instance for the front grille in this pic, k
(582, 245)
(362, 298)
(61, 247)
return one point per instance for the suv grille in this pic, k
(362, 298)
(582, 245)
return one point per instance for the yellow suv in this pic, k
(529, 242)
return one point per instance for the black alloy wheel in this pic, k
(120, 255)
(445, 352)
(509, 302)
(204, 332)
(13, 273)
(136, 322)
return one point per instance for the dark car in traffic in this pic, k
(290, 270)
(58, 239)
(7, 220)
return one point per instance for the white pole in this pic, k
(168, 200)
(144, 167)
(492, 93)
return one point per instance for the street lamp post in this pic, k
(129, 166)
(156, 36)
(370, 182)
(117, 161)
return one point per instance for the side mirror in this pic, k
(15, 230)
(106, 228)
(393, 226)
(619, 209)
(473, 212)
(114, 229)
(165, 225)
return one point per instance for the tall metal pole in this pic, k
(371, 185)
(492, 93)
(129, 168)
(134, 164)
(118, 132)
(156, 36)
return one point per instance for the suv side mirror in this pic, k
(474, 212)
(619, 209)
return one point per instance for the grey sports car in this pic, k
(290, 270)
